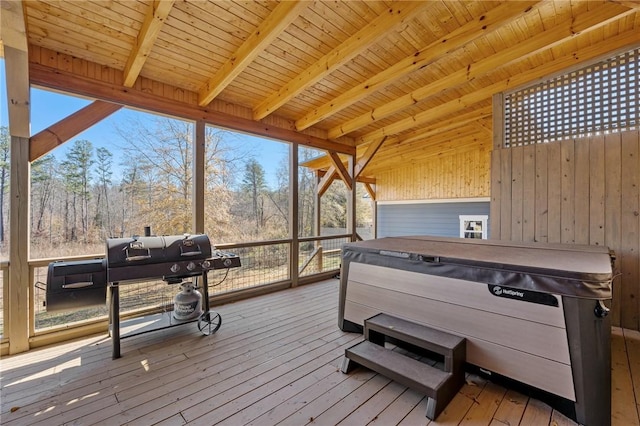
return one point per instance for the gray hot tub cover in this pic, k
(568, 270)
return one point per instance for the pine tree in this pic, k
(77, 177)
(254, 184)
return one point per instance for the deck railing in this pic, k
(266, 266)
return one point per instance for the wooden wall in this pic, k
(583, 191)
(456, 175)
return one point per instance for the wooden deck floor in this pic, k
(273, 361)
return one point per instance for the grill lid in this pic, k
(125, 252)
(170, 257)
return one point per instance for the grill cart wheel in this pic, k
(209, 322)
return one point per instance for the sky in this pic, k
(47, 108)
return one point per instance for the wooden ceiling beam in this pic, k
(442, 126)
(434, 130)
(631, 4)
(370, 190)
(588, 21)
(341, 169)
(623, 40)
(361, 179)
(153, 21)
(57, 134)
(397, 14)
(368, 155)
(137, 98)
(463, 139)
(279, 19)
(482, 25)
(327, 180)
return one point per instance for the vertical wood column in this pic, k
(197, 202)
(495, 207)
(19, 321)
(317, 220)
(16, 306)
(351, 201)
(293, 214)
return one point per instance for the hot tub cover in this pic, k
(569, 270)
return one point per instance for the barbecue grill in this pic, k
(171, 258)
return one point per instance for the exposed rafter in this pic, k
(626, 39)
(397, 14)
(423, 134)
(281, 17)
(61, 80)
(156, 15)
(371, 190)
(553, 36)
(60, 132)
(368, 155)
(442, 126)
(472, 30)
(341, 169)
(631, 4)
(326, 180)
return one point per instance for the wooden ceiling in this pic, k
(400, 81)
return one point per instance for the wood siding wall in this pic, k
(583, 191)
(457, 175)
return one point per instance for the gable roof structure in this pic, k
(401, 80)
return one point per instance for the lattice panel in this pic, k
(598, 99)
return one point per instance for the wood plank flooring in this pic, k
(274, 361)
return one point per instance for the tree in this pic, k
(42, 188)
(162, 151)
(77, 176)
(130, 187)
(253, 184)
(306, 194)
(103, 174)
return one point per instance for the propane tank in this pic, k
(187, 304)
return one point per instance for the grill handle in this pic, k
(197, 251)
(78, 284)
(136, 258)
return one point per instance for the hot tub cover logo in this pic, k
(524, 295)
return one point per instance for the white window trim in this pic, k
(481, 218)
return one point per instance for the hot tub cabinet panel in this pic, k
(530, 312)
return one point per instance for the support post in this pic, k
(317, 217)
(16, 60)
(351, 201)
(294, 219)
(197, 203)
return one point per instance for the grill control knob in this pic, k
(227, 263)
(191, 266)
(206, 264)
(175, 268)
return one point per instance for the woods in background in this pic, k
(82, 197)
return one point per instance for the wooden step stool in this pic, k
(440, 386)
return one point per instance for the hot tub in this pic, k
(530, 312)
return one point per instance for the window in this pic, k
(473, 226)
